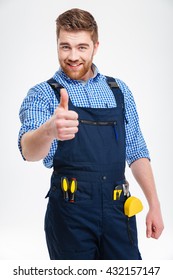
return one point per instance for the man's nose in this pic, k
(73, 55)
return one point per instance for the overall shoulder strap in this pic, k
(111, 82)
(55, 86)
(119, 97)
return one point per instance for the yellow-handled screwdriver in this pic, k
(65, 187)
(72, 188)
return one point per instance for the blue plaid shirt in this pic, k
(41, 102)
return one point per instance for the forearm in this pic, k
(36, 143)
(143, 174)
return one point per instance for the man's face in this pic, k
(75, 53)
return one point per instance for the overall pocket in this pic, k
(83, 193)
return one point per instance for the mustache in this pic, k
(77, 61)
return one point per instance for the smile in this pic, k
(74, 66)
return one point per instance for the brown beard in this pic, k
(78, 75)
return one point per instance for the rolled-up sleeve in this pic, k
(135, 144)
(34, 111)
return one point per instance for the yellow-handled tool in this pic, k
(117, 192)
(72, 189)
(65, 187)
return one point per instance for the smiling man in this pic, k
(75, 52)
(85, 126)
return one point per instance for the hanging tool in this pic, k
(65, 187)
(117, 192)
(126, 189)
(72, 189)
(132, 205)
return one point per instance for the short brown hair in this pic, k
(77, 20)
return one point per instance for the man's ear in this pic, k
(96, 45)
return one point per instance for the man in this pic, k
(85, 126)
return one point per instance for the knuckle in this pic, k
(76, 129)
(59, 123)
(74, 115)
(72, 136)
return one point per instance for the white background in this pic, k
(136, 45)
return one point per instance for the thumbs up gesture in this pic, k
(64, 122)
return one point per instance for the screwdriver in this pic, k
(72, 189)
(65, 187)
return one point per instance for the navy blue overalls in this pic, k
(94, 226)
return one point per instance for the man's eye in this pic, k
(82, 48)
(65, 47)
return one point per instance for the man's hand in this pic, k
(64, 122)
(154, 223)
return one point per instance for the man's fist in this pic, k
(64, 122)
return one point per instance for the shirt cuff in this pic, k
(138, 156)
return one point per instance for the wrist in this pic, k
(48, 130)
(154, 204)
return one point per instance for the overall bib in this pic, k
(94, 226)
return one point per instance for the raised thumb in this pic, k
(64, 99)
